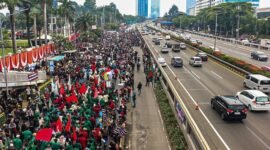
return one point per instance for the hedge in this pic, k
(175, 135)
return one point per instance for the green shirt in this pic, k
(55, 146)
(17, 143)
(27, 135)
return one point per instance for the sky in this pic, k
(128, 6)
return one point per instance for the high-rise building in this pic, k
(155, 9)
(191, 5)
(201, 4)
(255, 3)
(142, 8)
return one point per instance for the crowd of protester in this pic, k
(85, 106)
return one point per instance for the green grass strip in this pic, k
(174, 132)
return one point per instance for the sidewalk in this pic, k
(146, 130)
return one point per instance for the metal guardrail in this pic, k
(259, 46)
(191, 122)
(214, 57)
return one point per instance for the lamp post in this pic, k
(216, 25)
(238, 22)
(180, 23)
(2, 46)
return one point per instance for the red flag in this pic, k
(74, 135)
(59, 125)
(68, 126)
(83, 89)
(62, 90)
(44, 134)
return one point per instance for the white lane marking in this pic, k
(208, 121)
(258, 138)
(195, 74)
(217, 75)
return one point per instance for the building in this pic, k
(191, 4)
(142, 8)
(155, 9)
(201, 4)
(263, 13)
(255, 3)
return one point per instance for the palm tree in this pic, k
(26, 4)
(85, 22)
(67, 10)
(34, 12)
(11, 4)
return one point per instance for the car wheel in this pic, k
(250, 108)
(222, 116)
(212, 106)
(244, 84)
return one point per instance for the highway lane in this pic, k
(213, 79)
(241, 52)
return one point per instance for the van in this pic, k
(257, 82)
(168, 37)
(176, 47)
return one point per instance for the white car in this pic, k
(213, 48)
(165, 49)
(160, 38)
(195, 61)
(162, 61)
(168, 37)
(255, 100)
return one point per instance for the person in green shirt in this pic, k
(27, 135)
(77, 146)
(17, 142)
(55, 145)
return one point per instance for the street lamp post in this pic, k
(216, 25)
(2, 46)
(238, 22)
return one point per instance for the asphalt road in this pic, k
(238, 51)
(147, 128)
(204, 83)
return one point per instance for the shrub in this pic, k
(175, 135)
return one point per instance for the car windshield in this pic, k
(265, 82)
(177, 45)
(262, 99)
(236, 107)
(177, 59)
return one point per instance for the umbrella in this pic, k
(44, 134)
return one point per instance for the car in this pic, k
(245, 42)
(157, 42)
(257, 82)
(168, 37)
(162, 61)
(176, 47)
(154, 39)
(160, 38)
(169, 45)
(199, 42)
(177, 62)
(165, 49)
(258, 55)
(158, 33)
(202, 55)
(195, 61)
(266, 68)
(183, 46)
(255, 100)
(229, 107)
(214, 49)
(153, 33)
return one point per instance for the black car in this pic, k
(169, 45)
(203, 56)
(229, 107)
(157, 42)
(257, 55)
(177, 62)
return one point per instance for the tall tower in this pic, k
(142, 8)
(155, 9)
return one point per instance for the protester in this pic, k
(85, 105)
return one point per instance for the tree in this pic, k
(89, 5)
(26, 4)
(84, 22)
(173, 11)
(11, 4)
